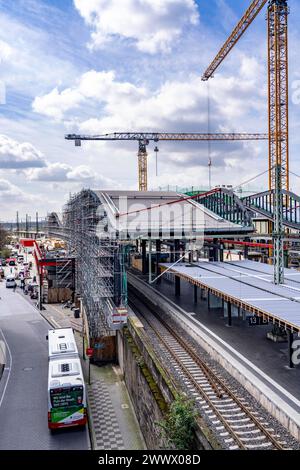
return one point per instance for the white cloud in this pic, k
(182, 106)
(6, 51)
(92, 85)
(64, 173)
(56, 104)
(10, 193)
(60, 172)
(152, 25)
(16, 155)
(179, 105)
(125, 106)
(31, 61)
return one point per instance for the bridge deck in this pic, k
(246, 286)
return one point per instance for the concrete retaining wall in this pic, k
(150, 386)
(146, 396)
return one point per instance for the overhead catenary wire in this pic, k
(187, 198)
(251, 179)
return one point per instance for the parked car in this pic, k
(10, 282)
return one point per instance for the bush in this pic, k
(178, 427)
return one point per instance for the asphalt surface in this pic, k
(23, 386)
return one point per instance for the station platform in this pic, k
(112, 421)
(250, 341)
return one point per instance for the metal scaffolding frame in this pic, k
(100, 275)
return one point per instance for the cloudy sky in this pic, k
(99, 66)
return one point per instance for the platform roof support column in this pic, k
(150, 259)
(172, 254)
(177, 278)
(290, 349)
(158, 252)
(177, 286)
(229, 319)
(144, 257)
(195, 294)
(221, 252)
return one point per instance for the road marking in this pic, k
(9, 370)
(55, 322)
(58, 310)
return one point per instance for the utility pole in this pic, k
(209, 173)
(18, 222)
(156, 150)
(150, 260)
(37, 222)
(278, 233)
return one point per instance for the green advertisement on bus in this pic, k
(65, 403)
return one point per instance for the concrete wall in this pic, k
(150, 386)
(147, 399)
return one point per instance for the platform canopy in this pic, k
(248, 285)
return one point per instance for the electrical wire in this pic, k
(294, 174)
(252, 179)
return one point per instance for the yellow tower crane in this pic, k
(277, 17)
(144, 139)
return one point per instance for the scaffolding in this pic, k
(100, 273)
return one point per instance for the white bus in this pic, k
(66, 388)
(61, 342)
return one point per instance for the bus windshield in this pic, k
(66, 397)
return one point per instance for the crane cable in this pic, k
(208, 131)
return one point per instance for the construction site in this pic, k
(212, 250)
(191, 293)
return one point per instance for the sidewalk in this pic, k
(112, 421)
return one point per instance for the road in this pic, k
(23, 387)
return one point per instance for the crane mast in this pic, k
(143, 165)
(278, 92)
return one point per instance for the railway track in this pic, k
(238, 425)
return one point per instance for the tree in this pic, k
(3, 237)
(178, 427)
